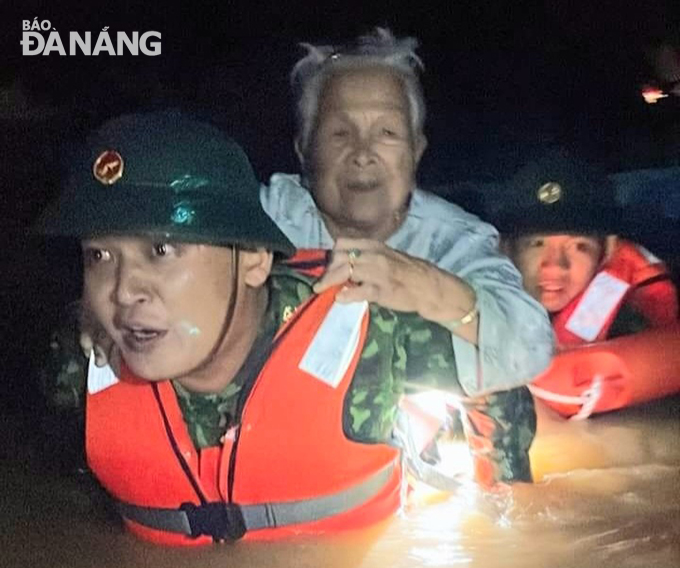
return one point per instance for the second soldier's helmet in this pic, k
(163, 173)
(558, 191)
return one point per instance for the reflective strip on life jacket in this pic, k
(597, 306)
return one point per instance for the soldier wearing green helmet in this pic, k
(178, 258)
(140, 179)
(569, 239)
(151, 186)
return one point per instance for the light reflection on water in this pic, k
(607, 494)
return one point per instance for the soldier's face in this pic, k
(163, 303)
(556, 268)
(363, 155)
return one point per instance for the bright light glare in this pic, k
(653, 95)
(454, 459)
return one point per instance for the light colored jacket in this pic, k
(515, 341)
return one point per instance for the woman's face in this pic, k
(556, 268)
(364, 154)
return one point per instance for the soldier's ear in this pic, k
(611, 242)
(256, 266)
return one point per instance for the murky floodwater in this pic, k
(607, 495)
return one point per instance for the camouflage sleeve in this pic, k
(63, 373)
(63, 376)
(402, 353)
(499, 427)
(373, 397)
(429, 359)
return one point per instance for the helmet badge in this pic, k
(108, 167)
(549, 193)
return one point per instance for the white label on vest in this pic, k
(330, 352)
(99, 378)
(599, 301)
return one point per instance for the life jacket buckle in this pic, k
(221, 521)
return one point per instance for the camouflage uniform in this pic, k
(402, 351)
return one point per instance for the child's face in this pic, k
(556, 268)
(163, 303)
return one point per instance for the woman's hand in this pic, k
(377, 273)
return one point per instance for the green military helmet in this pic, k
(163, 173)
(559, 192)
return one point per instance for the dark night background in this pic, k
(501, 78)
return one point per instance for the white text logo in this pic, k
(40, 38)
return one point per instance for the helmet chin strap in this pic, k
(231, 308)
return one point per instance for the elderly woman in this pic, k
(360, 138)
(360, 113)
(360, 118)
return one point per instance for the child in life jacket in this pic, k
(566, 237)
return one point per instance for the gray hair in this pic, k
(379, 48)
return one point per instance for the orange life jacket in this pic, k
(631, 276)
(287, 468)
(612, 374)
